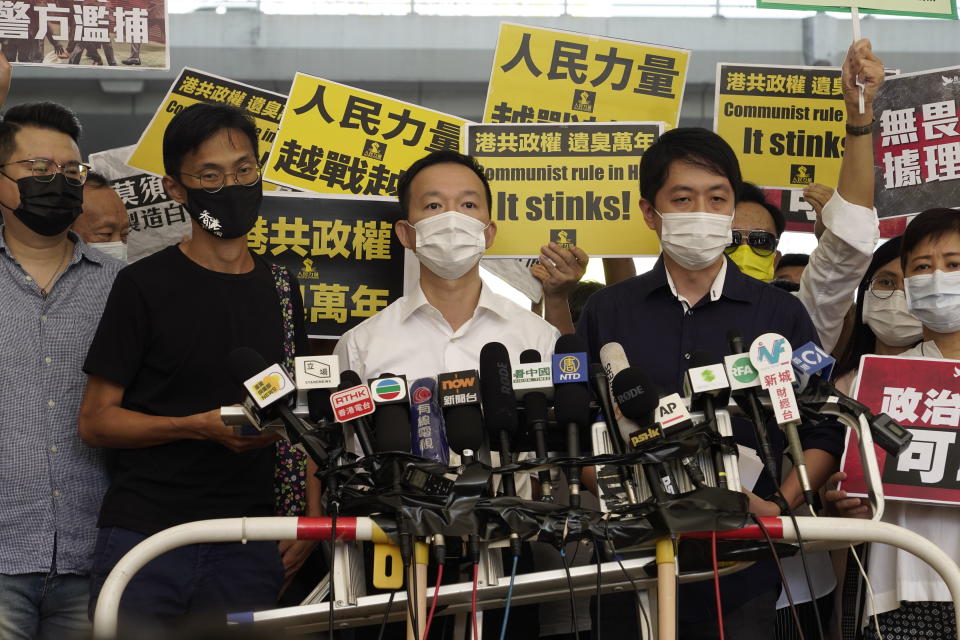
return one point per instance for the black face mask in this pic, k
(228, 213)
(48, 208)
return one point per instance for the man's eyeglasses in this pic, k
(763, 243)
(212, 180)
(884, 286)
(43, 170)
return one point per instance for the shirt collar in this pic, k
(80, 249)
(488, 300)
(730, 282)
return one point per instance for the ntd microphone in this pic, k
(427, 434)
(810, 360)
(570, 367)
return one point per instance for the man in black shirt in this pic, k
(158, 376)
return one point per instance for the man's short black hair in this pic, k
(750, 192)
(578, 297)
(932, 224)
(43, 115)
(694, 145)
(793, 260)
(444, 156)
(96, 180)
(198, 123)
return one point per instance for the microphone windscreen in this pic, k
(570, 343)
(244, 363)
(464, 428)
(348, 378)
(318, 405)
(571, 403)
(636, 395)
(529, 355)
(613, 358)
(392, 428)
(701, 359)
(496, 389)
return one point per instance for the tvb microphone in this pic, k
(705, 383)
(499, 405)
(535, 408)
(391, 421)
(460, 404)
(571, 401)
(428, 435)
(351, 405)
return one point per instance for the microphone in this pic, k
(351, 405)
(571, 401)
(460, 404)
(499, 405)
(614, 360)
(532, 386)
(428, 435)
(705, 383)
(744, 384)
(391, 420)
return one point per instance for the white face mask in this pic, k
(116, 250)
(935, 299)
(450, 243)
(695, 240)
(890, 321)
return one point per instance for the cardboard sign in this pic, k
(129, 35)
(918, 8)
(342, 249)
(569, 184)
(339, 139)
(917, 144)
(923, 395)
(547, 75)
(786, 124)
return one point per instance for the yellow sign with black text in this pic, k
(566, 183)
(339, 139)
(547, 75)
(192, 87)
(786, 124)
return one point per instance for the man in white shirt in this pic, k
(452, 314)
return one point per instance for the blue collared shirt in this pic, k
(660, 334)
(52, 483)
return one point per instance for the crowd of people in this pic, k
(113, 373)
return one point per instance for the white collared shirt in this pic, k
(411, 337)
(716, 289)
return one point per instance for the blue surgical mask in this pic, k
(934, 298)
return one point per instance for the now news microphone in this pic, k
(499, 405)
(705, 383)
(428, 435)
(351, 405)
(534, 391)
(391, 419)
(571, 401)
(460, 403)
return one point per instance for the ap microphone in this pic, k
(499, 405)
(460, 404)
(571, 400)
(391, 421)
(535, 408)
(352, 404)
(428, 436)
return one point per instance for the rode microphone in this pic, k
(459, 397)
(391, 420)
(705, 383)
(535, 409)
(499, 405)
(571, 401)
(351, 405)
(427, 433)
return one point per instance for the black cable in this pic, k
(636, 591)
(575, 633)
(386, 614)
(783, 579)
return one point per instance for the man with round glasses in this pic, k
(53, 287)
(158, 375)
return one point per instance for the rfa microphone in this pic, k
(533, 386)
(499, 405)
(428, 435)
(351, 405)
(571, 401)
(459, 397)
(705, 383)
(745, 388)
(391, 421)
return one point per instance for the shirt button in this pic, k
(51, 403)
(53, 449)
(686, 356)
(48, 359)
(689, 312)
(56, 493)
(43, 318)
(28, 279)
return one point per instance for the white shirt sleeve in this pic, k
(837, 265)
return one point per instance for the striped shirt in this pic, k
(52, 483)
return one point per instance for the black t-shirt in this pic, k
(167, 329)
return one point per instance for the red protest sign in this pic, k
(923, 395)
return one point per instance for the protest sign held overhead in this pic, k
(569, 184)
(547, 75)
(917, 143)
(786, 124)
(922, 395)
(917, 8)
(192, 87)
(338, 139)
(342, 249)
(123, 34)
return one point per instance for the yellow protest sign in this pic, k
(786, 124)
(919, 8)
(566, 183)
(546, 75)
(339, 139)
(193, 86)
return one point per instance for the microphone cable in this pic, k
(575, 632)
(636, 592)
(433, 605)
(333, 564)
(716, 583)
(386, 615)
(783, 578)
(596, 554)
(506, 609)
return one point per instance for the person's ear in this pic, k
(406, 234)
(649, 215)
(175, 190)
(490, 233)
